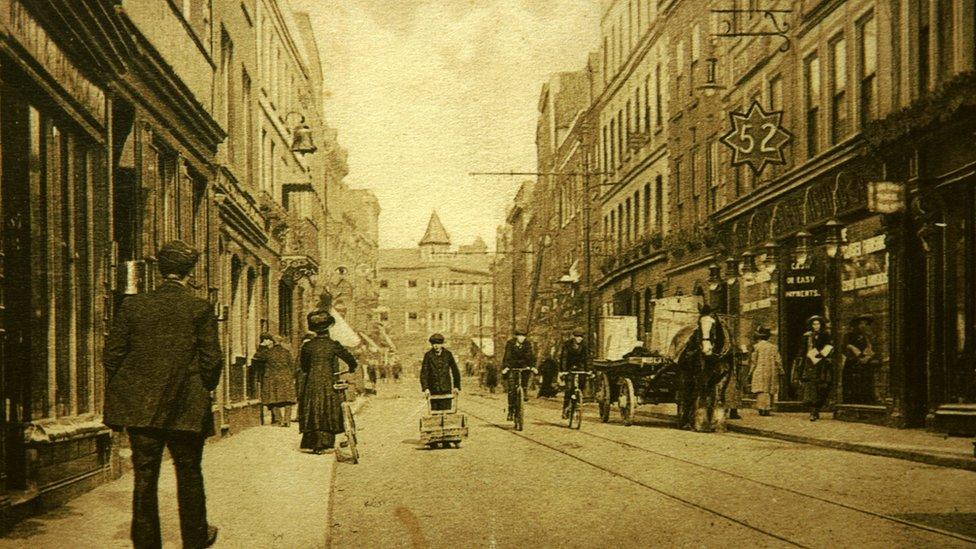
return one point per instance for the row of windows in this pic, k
(637, 115)
(838, 102)
(636, 215)
(624, 33)
(457, 322)
(446, 288)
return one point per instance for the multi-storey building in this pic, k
(630, 117)
(125, 126)
(859, 84)
(434, 288)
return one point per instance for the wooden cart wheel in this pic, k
(603, 398)
(627, 401)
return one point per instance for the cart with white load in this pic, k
(653, 379)
(443, 427)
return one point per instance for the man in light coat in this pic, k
(767, 367)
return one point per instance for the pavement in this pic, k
(262, 492)
(909, 444)
(645, 485)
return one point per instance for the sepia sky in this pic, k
(425, 91)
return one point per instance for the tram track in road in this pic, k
(638, 482)
(717, 470)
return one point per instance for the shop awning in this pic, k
(573, 276)
(485, 345)
(370, 344)
(386, 339)
(342, 332)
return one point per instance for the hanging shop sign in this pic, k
(865, 265)
(757, 138)
(886, 197)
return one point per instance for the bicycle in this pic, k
(348, 421)
(574, 410)
(519, 412)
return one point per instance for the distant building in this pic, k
(432, 288)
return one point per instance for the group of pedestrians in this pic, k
(163, 360)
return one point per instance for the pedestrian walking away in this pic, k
(275, 369)
(439, 374)
(518, 354)
(549, 368)
(162, 360)
(319, 403)
(766, 367)
(816, 368)
(574, 357)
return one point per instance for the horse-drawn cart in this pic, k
(633, 381)
(630, 382)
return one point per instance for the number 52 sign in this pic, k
(757, 138)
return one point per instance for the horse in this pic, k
(703, 363)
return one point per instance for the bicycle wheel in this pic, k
(350, 423)
(576, 410)
(519, 409)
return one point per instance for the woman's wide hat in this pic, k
(823, 321)
(320, 321)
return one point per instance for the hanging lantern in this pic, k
(834, 240)
(748, 262)
(714, 273)
(731, 270)
(711, 85)
(770, 249)
(802, 248)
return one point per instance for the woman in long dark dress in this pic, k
(319, 404)
(817, 372)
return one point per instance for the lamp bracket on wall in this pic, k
(776, 19)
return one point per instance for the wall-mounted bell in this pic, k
(302, 141)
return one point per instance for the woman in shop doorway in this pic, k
(816, 372)
(859, 362)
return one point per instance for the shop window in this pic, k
(384, 283)
(285, 310)
(411, 284)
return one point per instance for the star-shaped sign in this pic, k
(757, 138)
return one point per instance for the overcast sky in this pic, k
(425, 91)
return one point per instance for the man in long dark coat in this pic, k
(319, 404)
(162, 360)
(573, 358)
(275, 368)
(518, 354)
(439, 374)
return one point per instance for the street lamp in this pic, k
(711, 85)
(835, 238)
(714, 276)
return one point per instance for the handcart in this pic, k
(443, 427)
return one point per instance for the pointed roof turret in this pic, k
(436, 233)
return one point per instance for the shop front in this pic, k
(54, 267)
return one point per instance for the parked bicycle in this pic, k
(574, 409)
(348, 421)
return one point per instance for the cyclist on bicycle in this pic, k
(573, 358)
(439, 374)
(518, 355)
